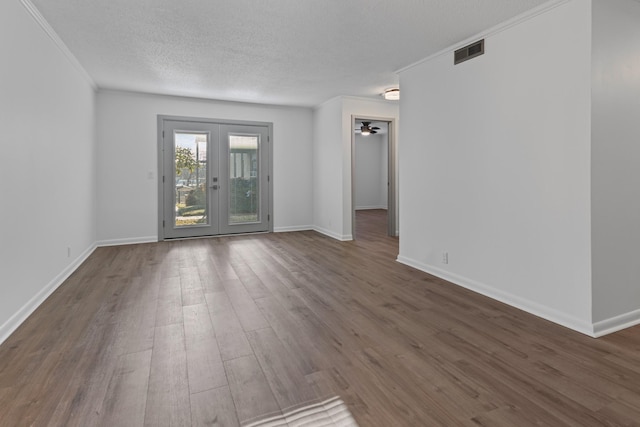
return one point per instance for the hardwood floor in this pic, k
(227, 330)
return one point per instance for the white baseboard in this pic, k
(617, 323)
(292, 228)
(26, 310)
(365, 208)
(342, 238)
(531, 307)
(131, 241)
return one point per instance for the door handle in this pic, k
(215, 186)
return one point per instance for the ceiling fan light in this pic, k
(392, 94)
(365, 133)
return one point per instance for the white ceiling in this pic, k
(287, 52)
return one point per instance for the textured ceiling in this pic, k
(287, 52)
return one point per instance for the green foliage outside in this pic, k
(244, 197)
(185, 159)
(191, 211)
(194, 203)
(196, 197)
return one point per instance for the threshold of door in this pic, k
(216, 235)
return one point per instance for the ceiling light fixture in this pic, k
(392, 94)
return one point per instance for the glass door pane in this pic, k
(191, 195)
(244, 186)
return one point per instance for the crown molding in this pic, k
(57, 41)
(523, 17)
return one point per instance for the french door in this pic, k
(215, 178)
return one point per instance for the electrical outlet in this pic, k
(445, 257)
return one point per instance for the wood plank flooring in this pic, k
(225, 331)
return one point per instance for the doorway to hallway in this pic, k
(373, 172)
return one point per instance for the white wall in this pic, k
(127, 154)
(370, 183)
(47, 173)
(495, 166)
(327, 169)
(616, 161)
(332, 159)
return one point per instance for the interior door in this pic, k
(215, 179)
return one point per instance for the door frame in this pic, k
(392, 196)
(161, 118)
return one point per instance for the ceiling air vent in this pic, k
(469, 52)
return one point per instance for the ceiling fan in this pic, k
(366, 129)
